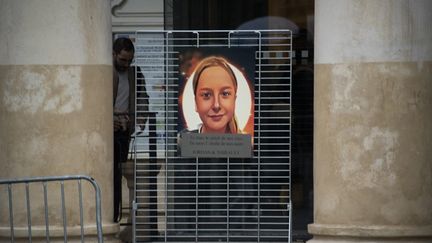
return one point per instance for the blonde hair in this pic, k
(215, 61)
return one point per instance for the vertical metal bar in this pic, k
(227, 201)
(134, 200)
(197, 38)
(98, 210)
(81, 210)
(134, 221)
(11, 221)
(135, 156)
(259, 137)
(63, 211)
(29, 223)
(134, 151)
(228, 171)
(196, 167)
(47, 234)
(134, 148)
(134, 145)
(167, 38)
(289, 131)
(166, 93)
(196, 197)
(153, 177)
(290, 208)
(166, 159)
(166, 200)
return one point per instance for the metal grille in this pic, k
(219, 199)
(46, 196)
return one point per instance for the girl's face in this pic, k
(215, 99)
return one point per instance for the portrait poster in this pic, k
(216, 102)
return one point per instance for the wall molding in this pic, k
(133, 15)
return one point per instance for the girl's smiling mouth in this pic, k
(216, 117)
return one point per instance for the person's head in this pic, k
(123, 53)
(215, 90)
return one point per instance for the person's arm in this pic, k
(142, 99)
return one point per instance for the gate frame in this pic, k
(166, 38)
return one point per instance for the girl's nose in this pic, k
(216, 106)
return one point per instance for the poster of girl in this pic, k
(216, 93)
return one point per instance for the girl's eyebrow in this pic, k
(204, 88)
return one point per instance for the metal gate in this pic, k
(24, 197)
(213, 199)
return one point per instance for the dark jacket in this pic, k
(136, 89)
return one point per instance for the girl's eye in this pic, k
(226, 93)
(206, 95)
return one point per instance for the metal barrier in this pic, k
(10, 183)
(185, 199)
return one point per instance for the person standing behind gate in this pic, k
(124, 90)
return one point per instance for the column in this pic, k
(373, 121)
(56, 108)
